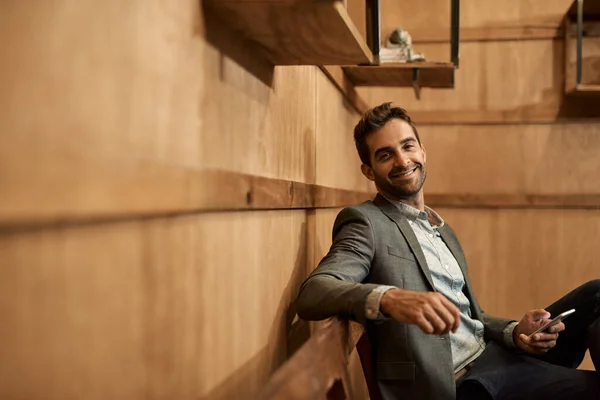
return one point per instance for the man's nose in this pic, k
(401, 160)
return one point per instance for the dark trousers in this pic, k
(499, 373)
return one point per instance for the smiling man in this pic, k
(398, 268)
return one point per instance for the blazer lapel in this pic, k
(451, 241)
(395, 215)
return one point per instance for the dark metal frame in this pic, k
(374, 35)
(579, 42)
(454, 31)
(374, 28)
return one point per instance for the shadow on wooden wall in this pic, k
(235, 46)
(286, 335)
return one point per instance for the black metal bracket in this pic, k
(454, 31)
(374, 29)
(579, 42)
(416, 85)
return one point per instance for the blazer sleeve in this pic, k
(494, 328)
(334, 288)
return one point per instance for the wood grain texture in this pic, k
(337, 161)
(525, 162)
(114, 110)
(150, 309)
(116, 188)
(415, 15)
(508, 201)
(317, 366)
(296, 32)
(164, 94)
(357, 10)
(486, 34)
(337, 76)
(251, 128)
(541, 175)
(592, 90)
(497, 82)
(430, 74)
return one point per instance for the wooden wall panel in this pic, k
(260, 130)
(496, 76)
(556, 252)
(337, 162)
(164, 308)
(533, 159)
(357, 12)
(525, 259)
(253, 267)
(149, 89)
(129, 85)
(415, 15)
(103, 105)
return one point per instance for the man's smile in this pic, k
(405, 174)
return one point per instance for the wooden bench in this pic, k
(319, 369)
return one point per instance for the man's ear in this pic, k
(367, 171)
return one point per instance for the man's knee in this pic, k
(594, 328)
(592, 287)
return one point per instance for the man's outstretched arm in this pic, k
(334, 288)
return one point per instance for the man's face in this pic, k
(398, 162)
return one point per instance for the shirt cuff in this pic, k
(507, 335)
(374, 300)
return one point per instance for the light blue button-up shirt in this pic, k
(467, 342)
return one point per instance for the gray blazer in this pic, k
(373, 244)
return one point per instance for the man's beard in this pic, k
(404, 190)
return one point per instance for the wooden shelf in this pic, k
(430, 74)
(593, 90)
(296, 32)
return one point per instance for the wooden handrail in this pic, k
(319, 369)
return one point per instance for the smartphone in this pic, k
(555, 321)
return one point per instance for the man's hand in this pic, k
(541, 342)
(431, 311)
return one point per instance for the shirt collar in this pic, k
(412, 214)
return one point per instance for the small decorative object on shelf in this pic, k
(399, 48)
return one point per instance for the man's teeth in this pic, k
(407, 172)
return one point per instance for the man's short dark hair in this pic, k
(375, 119)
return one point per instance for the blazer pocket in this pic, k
(392, 251)
(396, 370)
